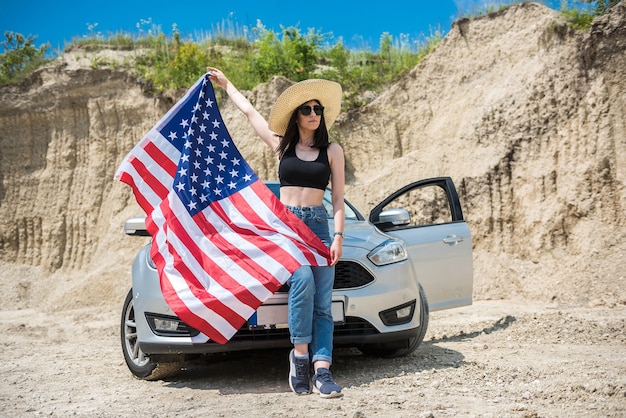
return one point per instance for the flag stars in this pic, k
(210, 166)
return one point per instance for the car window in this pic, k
(328, 205)
(426, 205)
(328, 202)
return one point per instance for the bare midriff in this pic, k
(301, 196)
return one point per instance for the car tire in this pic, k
(142, 365)
(404, 347)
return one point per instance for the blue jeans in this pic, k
(311, 293)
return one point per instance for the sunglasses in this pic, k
(306, 110)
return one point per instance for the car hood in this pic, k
(362, 234)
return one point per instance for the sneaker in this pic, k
(299, 374)
(324, 384)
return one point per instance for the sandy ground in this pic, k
(492, 359)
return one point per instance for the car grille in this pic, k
(348, 275)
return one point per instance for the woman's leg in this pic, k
(301, 307)
(322, 336)
(300, 318)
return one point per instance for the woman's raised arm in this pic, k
(258, 122)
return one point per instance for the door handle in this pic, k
(452, 239)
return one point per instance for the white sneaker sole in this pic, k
(330, 395)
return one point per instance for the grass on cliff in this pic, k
(252, 56)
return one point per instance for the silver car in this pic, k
(411, 256)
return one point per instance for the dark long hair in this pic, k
(291, 137)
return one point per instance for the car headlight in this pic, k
(388, 252)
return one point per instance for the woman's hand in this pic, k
(217, 77)
(336, 249)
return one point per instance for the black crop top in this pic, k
(292, 171)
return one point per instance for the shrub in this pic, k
(20, 57)
(293, 56)
(581, 17)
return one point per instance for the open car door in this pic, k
(427, 216)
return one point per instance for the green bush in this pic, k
(581, 17)
(20, 57)
(174, 64)
(293, 56)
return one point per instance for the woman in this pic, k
(298, 133)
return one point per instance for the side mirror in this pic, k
(393, 218)
(136, 227)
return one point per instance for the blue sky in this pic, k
(358, 23)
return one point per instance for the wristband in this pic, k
(339, 233)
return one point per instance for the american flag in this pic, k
(221, 240)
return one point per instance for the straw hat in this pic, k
(328, 93)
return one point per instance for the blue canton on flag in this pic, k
(211, 167)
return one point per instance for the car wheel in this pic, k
(403, 347)
(143, 366)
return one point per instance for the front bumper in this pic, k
(278, 340)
